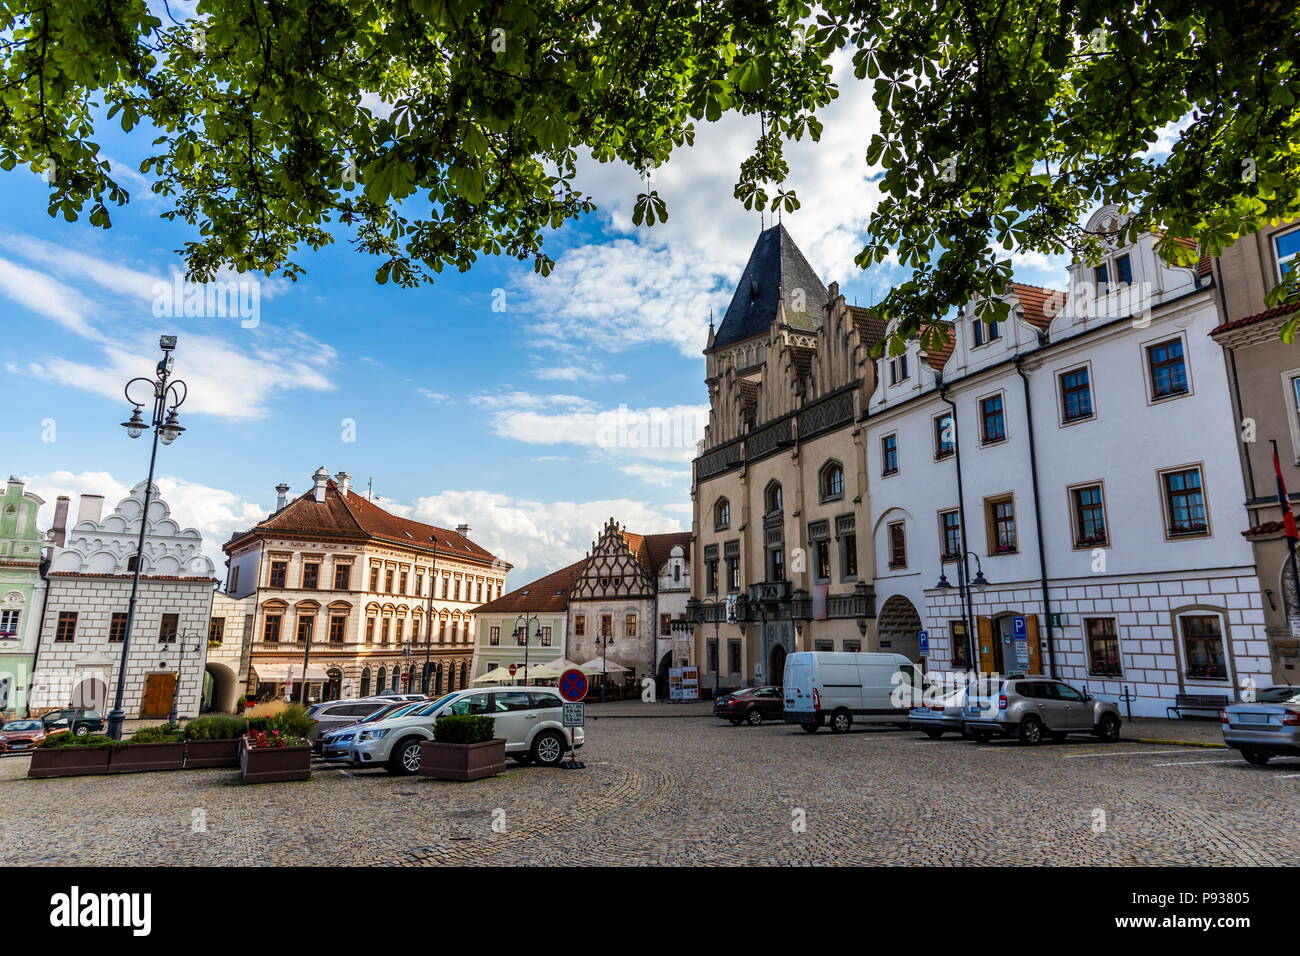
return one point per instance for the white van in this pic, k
(844, 687)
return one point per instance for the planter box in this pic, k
(212, 753)
(273, 764)
(462, 761)
(68, 761)
(136, 757)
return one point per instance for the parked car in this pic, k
(336, 744)
(529, 718)
(80, 721)
(1267, 727)
(1034, 707)
(840, 687)
(336, 713)
(20, 736)
(750, 705)
(939, 718)
(402, 696)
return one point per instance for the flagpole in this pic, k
(1284, 500)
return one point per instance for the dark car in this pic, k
(1266, 727)
(336, 741)
(78, 720)
(752, 705)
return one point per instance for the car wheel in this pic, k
(754, 717)
(1031, 731)
(405, 758)
(841, 721)
(81, 731)
(932, 733)
(1108, 728)
(522, 759)
(811, 728)
(1255, 757)
(548, 748)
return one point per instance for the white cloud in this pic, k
(514, 399)
(666, 433)
(46, 296)
(436, 397)
(659, 475)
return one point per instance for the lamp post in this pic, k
(167, 395)
(528, 619)
(716, 605)
(963, 576)
(180, 669)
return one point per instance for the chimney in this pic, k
(345, 482)
(321, 478)
(463, 530)
(90, 508)
(59, 532)
(281, 496)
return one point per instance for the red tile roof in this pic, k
(1040, 304)
(1276, 312)
(870, 328)
(1266, 529)
(549, 593)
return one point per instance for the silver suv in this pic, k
(1031, 708)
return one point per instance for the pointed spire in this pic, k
(777, 278)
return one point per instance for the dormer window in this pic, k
(1287, 247)
(1124, 270)
(984, 332)
(898, 371)
(1101, 276)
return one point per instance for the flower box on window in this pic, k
(1091, 540)
(1004, 549)
(1199, 527)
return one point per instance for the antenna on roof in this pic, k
(370, 489)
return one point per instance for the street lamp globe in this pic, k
(135, 424)
(171, 429)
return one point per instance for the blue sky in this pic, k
(461, 413)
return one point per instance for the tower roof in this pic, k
(777, 277)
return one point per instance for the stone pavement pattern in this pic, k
(676, 792)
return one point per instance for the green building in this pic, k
(22, 590)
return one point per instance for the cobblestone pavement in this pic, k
(659, 791)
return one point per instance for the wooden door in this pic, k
(985, 648)
(157, 699)
(1035, 650)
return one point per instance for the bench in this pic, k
(1214, 702)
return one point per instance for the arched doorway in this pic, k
(333, 684)
(661, 675)
(218, 688)
(365, 682)
(898, 627)
(382, 686)
(776, 668)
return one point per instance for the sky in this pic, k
(506, 419)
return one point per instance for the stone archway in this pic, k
(220, 687)
(897, 626)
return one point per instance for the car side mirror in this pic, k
(1087, 697)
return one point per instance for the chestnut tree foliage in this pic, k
(431, 132)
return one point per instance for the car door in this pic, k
(1077, 711)
(769, 701)
(515, 718)
(1041, 702)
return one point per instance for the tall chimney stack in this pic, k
(281, 496)
(59, 532)
(321, 478)
(90, 508)
(345, 482)
(462, 529)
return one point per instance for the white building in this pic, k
(1107, 415)
(84, 624)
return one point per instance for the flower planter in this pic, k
(68, 761)
(274, 764)
(135, 757)
(212, 753)
(462, 761)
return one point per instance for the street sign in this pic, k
(1019, 627)
(573, 685)
(1056, 620)
(1020, 631)
(575, 715)
(923, 638)
(513, 668)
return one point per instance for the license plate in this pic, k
(1252, 718)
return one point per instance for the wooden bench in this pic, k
(1214, 702)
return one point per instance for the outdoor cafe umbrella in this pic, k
(552, 670)
(494, 676)
(601, 665)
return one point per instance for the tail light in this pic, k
(1223, 717)
(1002, 702)
(1291, 718)
(938, 708)
(817, 699)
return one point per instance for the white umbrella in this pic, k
(601, 665)
(495, 676)
(551, 670)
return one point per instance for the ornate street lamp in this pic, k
(963, 577)
(167, 395)
(528, 619)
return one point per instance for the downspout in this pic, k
(1038, 518)
(972, 660)
(44, 572)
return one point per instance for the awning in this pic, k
(289, 673)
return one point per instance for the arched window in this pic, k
(464, 673)
(365, 682)
(721, 514)
(832, 481)
(383, 680)
(772, 498)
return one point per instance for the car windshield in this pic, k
(1279, 695)
(23, 725)
(743, 692)
(986, 688)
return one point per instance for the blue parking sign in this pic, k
(923, 637)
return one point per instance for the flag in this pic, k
(1288, 516)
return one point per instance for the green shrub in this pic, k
(464, 729)
(71, 740)
(292, 722)
(260, 724)
(216, 727)
(162, 734)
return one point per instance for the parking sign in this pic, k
(575, 715)
(923, 638)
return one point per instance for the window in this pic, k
(419, 583)
(402, 580)
(338, 627)
(984, 332)
(271, 629)
(342, 577)
(898, 370)
(311, 575)
(889, 455)
(117, 628)
(216, 630)
(390, 578)
(713, 655)
(66, 630)
(772, 498)
(546, 636)
(1076, 395)
(1101, 276)
(824, 646)
(897, 545)
(665, 625)
(629, 625)
(370, 630)
(234, 578)
(959, 645)
(731, 550)
(374, 579)
(776, 564)
(385, 628)
(993, 426)
(1000, 514)
(822, 549)
(607, 627)
(1168, 369)
(1184, 503)
(832, 481)
(950, 535)
(579, 625)
(279, 570)
(1089, 512)
(521, 635)
(1124, 270)
(853, 647)
(442, 631)
(478, 591)
(1287, 247)
(400, 630)
(845, 531)
(1203, 646)
(169, 627)
(721, 514)
(733, 657)
(1103, 647)
(494, 636)
(306, 627)
(945, 438)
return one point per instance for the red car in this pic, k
(20, 736)
(751, 705)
